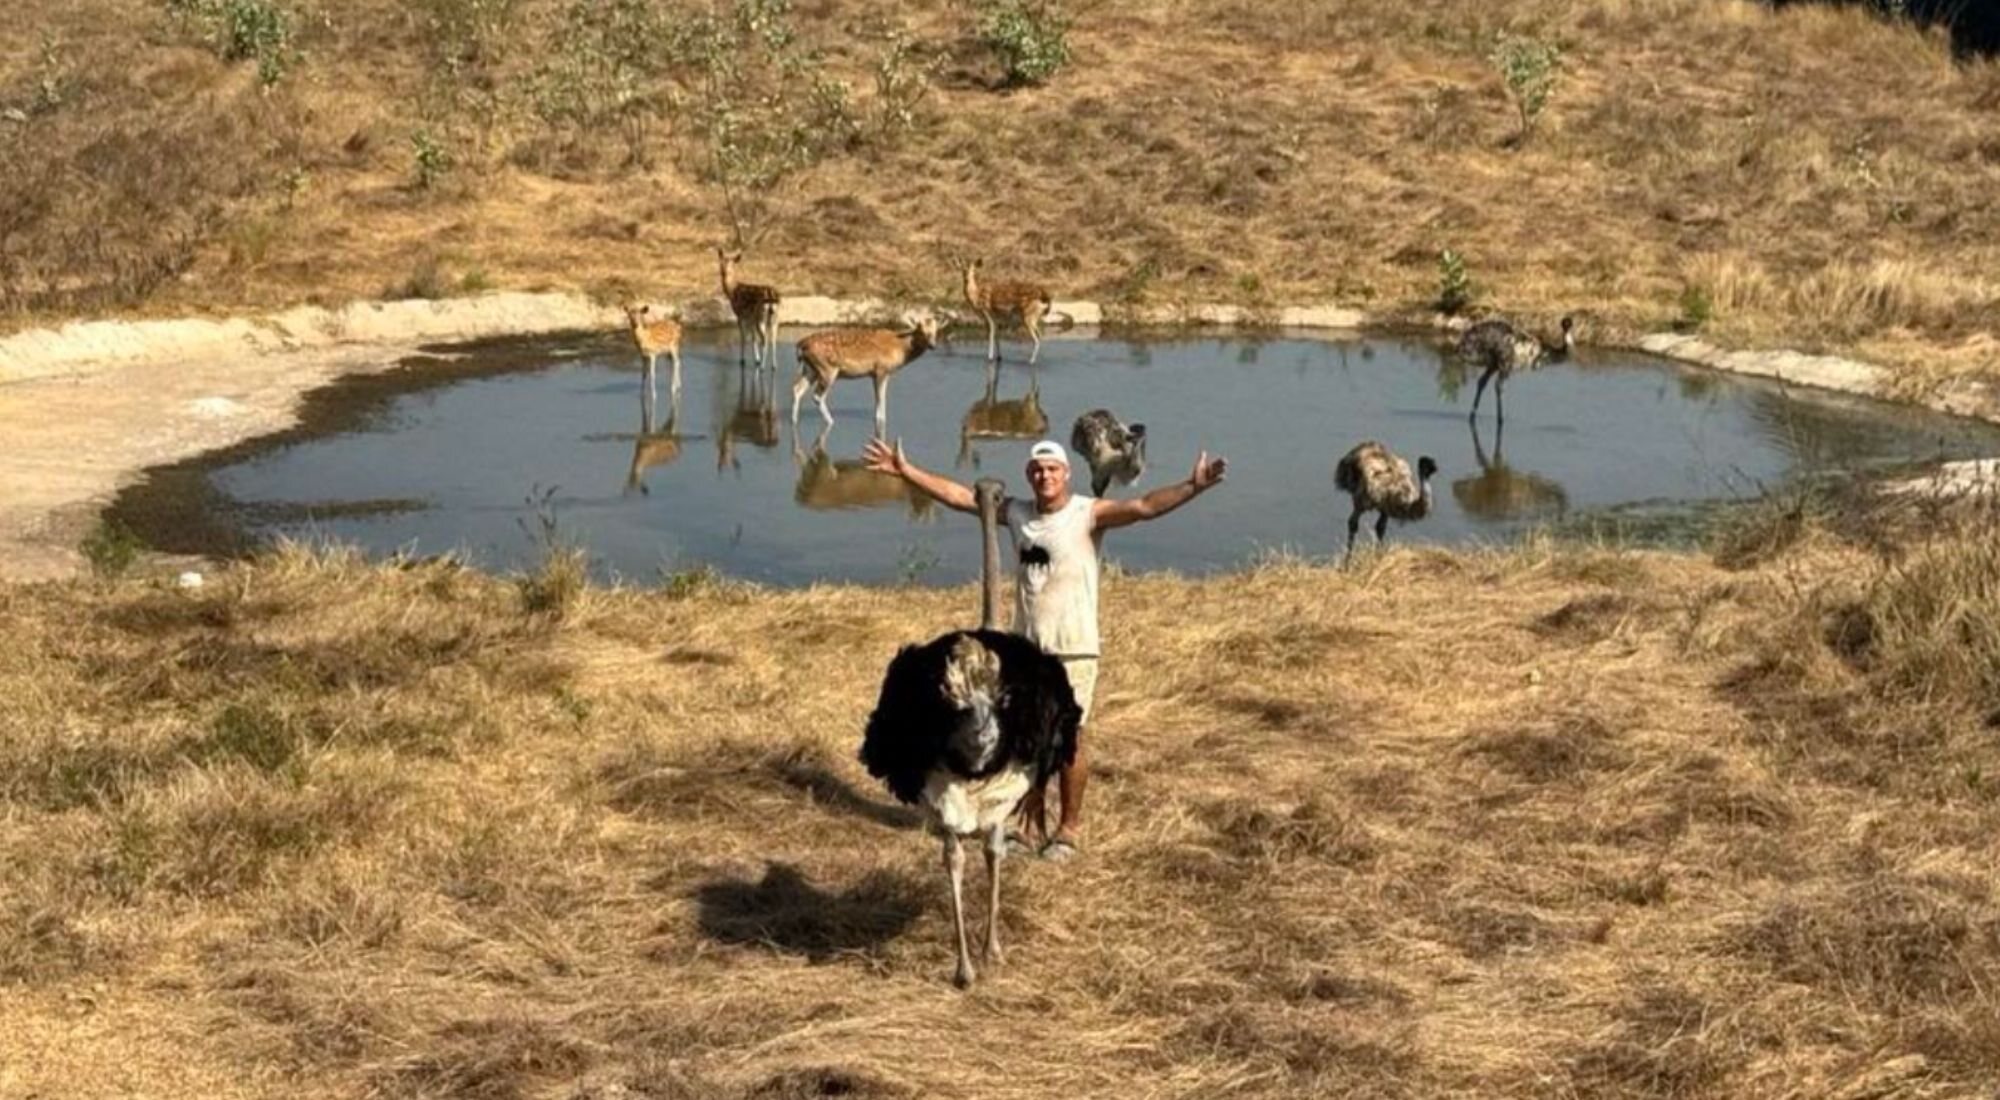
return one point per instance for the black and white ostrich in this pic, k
(966, 726)
(1380, 482)
(1499, 349)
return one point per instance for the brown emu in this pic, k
(1379, 482)
(1499, 349)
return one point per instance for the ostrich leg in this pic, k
(996, 847)
(954, 864)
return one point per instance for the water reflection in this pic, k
(754, 420)
(652, 448)
(830, 484)
(1500, 493)
(991, 418)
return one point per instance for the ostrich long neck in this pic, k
(987, 492)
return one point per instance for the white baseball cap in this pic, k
(1048, 450)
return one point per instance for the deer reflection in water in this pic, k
(1500, 492)
(652, 448)
(991, 418)
(753, 421)
(826, 483)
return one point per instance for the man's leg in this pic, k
(1073, 779)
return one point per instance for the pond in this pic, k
(475, 449)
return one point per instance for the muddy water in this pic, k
(474, 451)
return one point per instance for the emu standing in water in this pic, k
(1380, 482)
(966, 726)
(1499, 349)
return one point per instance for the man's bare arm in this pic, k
(888, 459)
(1119, 513)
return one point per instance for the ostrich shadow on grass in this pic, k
(828, 789)
(786, 912)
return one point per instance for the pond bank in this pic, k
(86, 407)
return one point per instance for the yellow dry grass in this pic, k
(1827, 176)
(1557, 821)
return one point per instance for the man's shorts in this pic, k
(1082, 680)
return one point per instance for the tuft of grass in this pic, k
(111, 548)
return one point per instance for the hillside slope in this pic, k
(1809, 177)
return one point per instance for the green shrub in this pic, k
(111, 548)
(1455, 287)
(1697, 306)
(607, 70)
(1530, 68)
(263, 31)
(1031, 38)
(433, 158)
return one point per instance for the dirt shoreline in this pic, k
(85, 408)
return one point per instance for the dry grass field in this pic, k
(1809, 177)
(1563, 821)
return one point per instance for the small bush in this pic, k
(1531, 68)
(1455, 288)
(607, 71)
(111, 548)
(433, 158)
(427, 281)
(263, 31)
(1031, 38)
(1697, 307)
(902, 79)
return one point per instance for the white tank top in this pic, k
(1055, 576)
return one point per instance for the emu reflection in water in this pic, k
(826, 483)
(1499, 492)
(991, 418)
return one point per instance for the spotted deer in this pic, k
(1027, 303)
(654, 338)
(878, 353)
(756, 309)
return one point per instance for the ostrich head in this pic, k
(971, 686)
(1569, 337)
(1427, 468)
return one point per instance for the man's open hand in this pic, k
(885, 458)
(1209, 471)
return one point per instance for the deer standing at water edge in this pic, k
(1030, 303)
(756, 309)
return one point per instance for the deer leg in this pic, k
(881, 403)
(676, 387)
(798, 392)
(819, 395)
(996, 849)
(651, 393)
(771, 335)
(742, 338)
(1034, 327)
(992, 340)
(954, 865)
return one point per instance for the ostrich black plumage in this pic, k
(966, 725)
(1499, 349)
